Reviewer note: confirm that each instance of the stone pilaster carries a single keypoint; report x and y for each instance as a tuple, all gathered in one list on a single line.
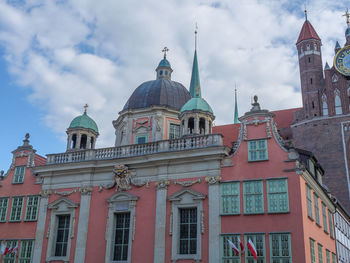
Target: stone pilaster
[(82, 224), (159, 240), (214, 222)]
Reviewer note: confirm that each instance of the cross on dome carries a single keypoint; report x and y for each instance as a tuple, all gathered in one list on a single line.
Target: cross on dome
[(85, 107), (347, 15), (165, 49)]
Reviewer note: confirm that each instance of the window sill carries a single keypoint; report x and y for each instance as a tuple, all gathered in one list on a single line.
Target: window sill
[(310, 218), (30, 220), (18, 183), (15, 221), (195, 257), (283, 212), (253, 161), (62, 259), (257, 213), (230, 214)]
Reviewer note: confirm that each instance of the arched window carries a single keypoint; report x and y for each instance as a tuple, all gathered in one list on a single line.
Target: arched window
[(315, 46), (337, 102), (83, 141), (308, 47), (324, 105), (74, 141), (201, 126), (334, 78), (190, 125)]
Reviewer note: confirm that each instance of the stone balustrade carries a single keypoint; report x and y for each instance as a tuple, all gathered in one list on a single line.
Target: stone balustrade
[(181, 144)]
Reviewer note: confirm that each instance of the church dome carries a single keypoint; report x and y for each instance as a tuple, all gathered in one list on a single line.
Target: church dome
[(194, 104), (164, 63), (160, 92), (84, 121)]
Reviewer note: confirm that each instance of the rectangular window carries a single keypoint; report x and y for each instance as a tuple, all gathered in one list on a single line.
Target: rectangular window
[(121, 236), (317, 209), (174, 132), (330, 224), (188, 231), (320, 255), (32, 208), (19, 174), (309, 201), (253, 197), (16, 208), (280, 248), (3, 208), (328, 256), (26, 252), (10, 257), (140, 139), (334, 258), (259, 243), (230, 198), (312, 251), (228, 254), (324, 215), (61, 243), (277, 196), (257, 150)]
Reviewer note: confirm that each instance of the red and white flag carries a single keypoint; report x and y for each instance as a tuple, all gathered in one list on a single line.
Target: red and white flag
[(7, 250), (233, 246), (252, 249), (241, 245), (3, 248), (15, 249)]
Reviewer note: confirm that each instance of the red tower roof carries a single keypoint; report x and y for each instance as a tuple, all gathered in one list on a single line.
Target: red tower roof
[(307, 32)]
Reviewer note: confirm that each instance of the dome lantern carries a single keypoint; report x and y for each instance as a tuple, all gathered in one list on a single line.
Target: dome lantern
[(164, 69), (82, 132)]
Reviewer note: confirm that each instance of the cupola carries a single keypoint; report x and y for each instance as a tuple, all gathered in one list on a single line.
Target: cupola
[(82, 132), (164, 69)]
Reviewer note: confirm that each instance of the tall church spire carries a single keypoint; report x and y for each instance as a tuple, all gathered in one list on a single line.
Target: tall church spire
[(195, 86), (236, 108)]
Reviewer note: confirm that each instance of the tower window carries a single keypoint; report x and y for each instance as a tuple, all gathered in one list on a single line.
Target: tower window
[(161, 72), (74, 141), (202, 126), (166, 73), (337, 103), (309, 59), (313, 105), (83, 141), (308, 47), (191, 125), (311, 81)]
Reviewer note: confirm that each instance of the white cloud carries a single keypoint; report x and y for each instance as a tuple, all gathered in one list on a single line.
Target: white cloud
[(98, 52)]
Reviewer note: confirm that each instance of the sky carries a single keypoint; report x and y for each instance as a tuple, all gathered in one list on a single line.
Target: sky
[(56, 56)]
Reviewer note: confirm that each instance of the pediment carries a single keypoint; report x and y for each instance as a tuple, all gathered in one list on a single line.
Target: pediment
[(122, 197), (63, 203), (186, 195)]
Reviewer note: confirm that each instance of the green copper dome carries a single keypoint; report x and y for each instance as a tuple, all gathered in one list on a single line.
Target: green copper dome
[(83, 121), (196, 104)]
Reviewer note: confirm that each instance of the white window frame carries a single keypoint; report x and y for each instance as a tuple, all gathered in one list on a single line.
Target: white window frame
[(186, 198), (61, 206), (119, 203)]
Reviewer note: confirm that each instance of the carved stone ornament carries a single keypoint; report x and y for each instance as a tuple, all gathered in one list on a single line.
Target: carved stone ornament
[(123, 179), (162, 184), (86, 190), (187, 183), (45, 193), (213, 179), (65, 193)]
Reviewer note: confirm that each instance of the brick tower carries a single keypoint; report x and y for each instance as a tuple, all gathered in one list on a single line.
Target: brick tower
[(323, 124)]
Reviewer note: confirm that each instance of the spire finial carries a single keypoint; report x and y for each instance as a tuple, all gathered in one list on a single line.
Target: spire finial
[(85, 107), (347, 15), (305, 11), (165, 49), (195, 37), (236, 107)]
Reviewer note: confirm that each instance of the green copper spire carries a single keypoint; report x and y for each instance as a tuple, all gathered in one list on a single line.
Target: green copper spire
[(195, 87), (236, 108)]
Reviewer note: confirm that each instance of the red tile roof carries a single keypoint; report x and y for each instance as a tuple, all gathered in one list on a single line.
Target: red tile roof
[(307, 32), (283, 119)]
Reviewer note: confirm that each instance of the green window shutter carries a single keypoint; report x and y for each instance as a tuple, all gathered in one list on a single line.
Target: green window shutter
[(26, 251), (317, 210), (328, 256), (257, 150), (312, 251), (19, 175), (280, 248), (259, 243), (230, 198), (228, 254), (324, 215), (253, 197), (32, 208), (309, 201), (330, 224), (16, 208), (277, 196), (320, 255), (3, 208)]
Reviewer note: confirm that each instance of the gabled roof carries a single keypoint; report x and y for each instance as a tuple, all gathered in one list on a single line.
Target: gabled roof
[(307, 32)]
